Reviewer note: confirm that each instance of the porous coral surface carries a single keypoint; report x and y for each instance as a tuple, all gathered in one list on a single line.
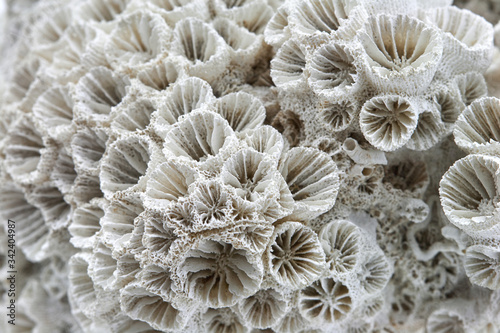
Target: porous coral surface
[(251, 165)]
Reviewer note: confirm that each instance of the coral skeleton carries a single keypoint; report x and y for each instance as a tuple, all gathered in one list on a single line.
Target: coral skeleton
[(246, 166)]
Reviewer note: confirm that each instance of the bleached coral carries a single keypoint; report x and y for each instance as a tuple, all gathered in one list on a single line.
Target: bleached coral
[(248, 165)]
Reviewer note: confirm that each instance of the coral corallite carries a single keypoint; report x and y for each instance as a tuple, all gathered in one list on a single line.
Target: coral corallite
[(225, 166)]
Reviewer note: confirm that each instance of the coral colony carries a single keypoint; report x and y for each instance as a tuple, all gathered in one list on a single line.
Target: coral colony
[(250, 166)]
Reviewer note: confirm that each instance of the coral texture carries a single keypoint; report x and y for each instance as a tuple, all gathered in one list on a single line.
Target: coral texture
[(251, 165)]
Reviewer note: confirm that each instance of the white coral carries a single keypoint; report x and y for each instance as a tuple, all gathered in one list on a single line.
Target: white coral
[(200, 138), (482, 265), (326, 301), (225, 276), (256, 179), (404, 61), (249, 165), (295, 257), (388, 121), (137, 40), (312, 178), (469, 194), (341, 241), (476, 130)]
